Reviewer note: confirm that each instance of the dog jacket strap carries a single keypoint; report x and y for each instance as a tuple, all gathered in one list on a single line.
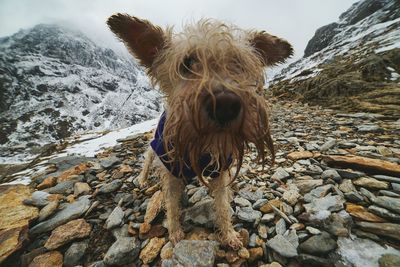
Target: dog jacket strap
[(187, 171)]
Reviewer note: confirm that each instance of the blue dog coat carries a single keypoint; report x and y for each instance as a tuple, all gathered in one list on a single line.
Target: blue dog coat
[(186, 171)]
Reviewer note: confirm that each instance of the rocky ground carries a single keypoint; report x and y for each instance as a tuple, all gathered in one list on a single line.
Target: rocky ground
[(332, 199)]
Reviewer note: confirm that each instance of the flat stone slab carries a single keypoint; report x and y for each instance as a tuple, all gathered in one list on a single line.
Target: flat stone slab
[(70, 212)]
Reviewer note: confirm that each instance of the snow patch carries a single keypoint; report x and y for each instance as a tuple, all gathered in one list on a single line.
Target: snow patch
[(362, 252)]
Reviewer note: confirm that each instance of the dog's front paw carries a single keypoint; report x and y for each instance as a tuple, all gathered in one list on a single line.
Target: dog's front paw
[(176, 236), (141, 182), (232, 240)]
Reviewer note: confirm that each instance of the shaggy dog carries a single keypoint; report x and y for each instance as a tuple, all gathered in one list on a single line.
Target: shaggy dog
[(212, 76)]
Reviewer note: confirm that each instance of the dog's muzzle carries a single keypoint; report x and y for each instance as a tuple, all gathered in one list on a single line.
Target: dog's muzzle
[(226, 108)]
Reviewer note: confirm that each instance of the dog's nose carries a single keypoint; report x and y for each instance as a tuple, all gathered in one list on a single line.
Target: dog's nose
[(227, 106)]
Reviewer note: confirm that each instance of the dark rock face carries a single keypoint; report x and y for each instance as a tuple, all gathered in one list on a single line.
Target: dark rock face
[(322, 38), (54, 82)]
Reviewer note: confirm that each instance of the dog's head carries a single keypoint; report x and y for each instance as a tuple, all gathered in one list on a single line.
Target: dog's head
[(213, 76)]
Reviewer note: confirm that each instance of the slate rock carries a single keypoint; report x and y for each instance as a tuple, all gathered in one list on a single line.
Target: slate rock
[(282, 246), (318, 244), (110, 187), (123, 251), (247, 214), (197, 253), (110, 161), (75, 253), (115, 218), (71, 211)]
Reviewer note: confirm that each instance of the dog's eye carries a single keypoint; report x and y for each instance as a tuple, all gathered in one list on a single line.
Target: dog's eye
[(187, 64)]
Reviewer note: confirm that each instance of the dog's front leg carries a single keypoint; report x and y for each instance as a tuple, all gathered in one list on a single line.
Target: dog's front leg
[(222, 196), (144, 174), (172, 188)]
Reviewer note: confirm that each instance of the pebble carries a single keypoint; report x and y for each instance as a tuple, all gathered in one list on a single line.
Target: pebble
[(382, 212), (252, 196), (268, 217), (109, 162), (318, 245), (331, 174), (75, 253), (282, 246), (52, 258), (328, 145), (202, 213), (280, 226), (123, 251), (280, 174), (198, 195), (194, 253), (330, 203), (371, 183), (389, 260), (47, 210), (115, 219), (389, 203), (81, 189), (242, 202), (247, 214), (152, 249), (38, 199), (110, 187), (65, 233), (391, 230)]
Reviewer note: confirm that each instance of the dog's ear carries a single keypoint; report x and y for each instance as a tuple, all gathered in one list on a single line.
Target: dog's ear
[(273, 50), (143, 39)]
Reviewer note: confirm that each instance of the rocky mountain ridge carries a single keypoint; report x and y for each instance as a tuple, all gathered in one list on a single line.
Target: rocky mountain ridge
[(54, 81), (352, 64)]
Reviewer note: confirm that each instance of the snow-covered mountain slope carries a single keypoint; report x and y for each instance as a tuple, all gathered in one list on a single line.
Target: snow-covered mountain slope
[(54, 82), (356, 55)]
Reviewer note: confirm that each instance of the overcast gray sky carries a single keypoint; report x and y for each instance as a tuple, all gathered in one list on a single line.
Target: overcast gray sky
[(294, 20)]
